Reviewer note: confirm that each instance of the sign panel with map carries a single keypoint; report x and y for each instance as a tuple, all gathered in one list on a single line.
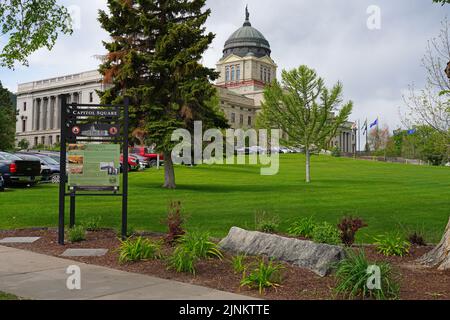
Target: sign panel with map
[(94, 166)]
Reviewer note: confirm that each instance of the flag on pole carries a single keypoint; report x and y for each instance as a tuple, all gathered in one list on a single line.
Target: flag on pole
[(374, 124), (365, 127), (412, 131)]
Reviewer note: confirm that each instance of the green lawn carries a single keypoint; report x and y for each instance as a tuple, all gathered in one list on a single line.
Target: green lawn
[(388, 196)]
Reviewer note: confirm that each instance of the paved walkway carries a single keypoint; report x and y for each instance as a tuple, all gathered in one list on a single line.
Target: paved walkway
[(36, 276)]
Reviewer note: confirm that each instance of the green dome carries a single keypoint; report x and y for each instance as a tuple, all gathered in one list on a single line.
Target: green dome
[(247, 40)]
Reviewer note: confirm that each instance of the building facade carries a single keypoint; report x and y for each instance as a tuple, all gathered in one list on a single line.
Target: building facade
[(39, 105), (245, 68)]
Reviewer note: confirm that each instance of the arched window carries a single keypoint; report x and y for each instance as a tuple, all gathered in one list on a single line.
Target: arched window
[(232, 73), (227, 74), (238, 73)]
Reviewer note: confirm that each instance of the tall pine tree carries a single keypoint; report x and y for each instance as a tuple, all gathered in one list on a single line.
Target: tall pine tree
[(154, 58)]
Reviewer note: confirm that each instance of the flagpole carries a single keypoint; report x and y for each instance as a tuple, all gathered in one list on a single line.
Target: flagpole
[(367, 133), (359, 135)]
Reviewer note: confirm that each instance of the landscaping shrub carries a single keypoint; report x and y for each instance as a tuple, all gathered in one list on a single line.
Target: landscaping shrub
[(264, 275), (200, 245), (76, 234), (326, 233), (93, 224), (266, 222), (352, 277), (417, 239), (138, 249), (183, 260), (392, 245), (175, 221), (238, 263), (336, 152), (348, 227), (302, 228)]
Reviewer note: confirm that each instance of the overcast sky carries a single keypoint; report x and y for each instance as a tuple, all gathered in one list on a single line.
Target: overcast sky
[(331, 36)]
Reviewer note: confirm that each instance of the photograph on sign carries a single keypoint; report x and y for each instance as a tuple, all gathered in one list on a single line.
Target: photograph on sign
[(94, 165)]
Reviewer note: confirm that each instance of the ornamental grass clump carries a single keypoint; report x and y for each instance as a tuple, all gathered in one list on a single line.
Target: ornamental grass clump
[(357, 278), (132, 250), (263, 275)]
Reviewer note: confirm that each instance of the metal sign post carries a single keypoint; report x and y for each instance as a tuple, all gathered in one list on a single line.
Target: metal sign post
[(86, 123)]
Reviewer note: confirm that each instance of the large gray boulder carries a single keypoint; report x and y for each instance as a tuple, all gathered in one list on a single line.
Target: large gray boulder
[(306, 254)]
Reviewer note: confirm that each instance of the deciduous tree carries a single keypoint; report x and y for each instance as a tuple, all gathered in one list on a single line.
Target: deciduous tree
[(30, 25), (305, 110), (7, 119)]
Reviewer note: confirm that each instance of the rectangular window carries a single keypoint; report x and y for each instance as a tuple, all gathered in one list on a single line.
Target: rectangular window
[(238, 73), (57, 139), (262, 74), (227, 74), (265, 75), (24, 106), (24, 125), (232, 73), (91, 97), (249, 120), (233, 117), (268, 75), (241, 119)]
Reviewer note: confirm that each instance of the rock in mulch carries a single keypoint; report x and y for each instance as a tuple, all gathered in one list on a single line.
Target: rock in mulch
[(305, 254)]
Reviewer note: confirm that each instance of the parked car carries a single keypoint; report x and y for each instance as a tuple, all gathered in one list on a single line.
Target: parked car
[(2, 183), (18, 171), (133, 163), (51, 166), (151, 155), (46, 172)]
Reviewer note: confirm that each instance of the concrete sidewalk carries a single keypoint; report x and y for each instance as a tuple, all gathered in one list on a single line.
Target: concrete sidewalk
[(36, 276)]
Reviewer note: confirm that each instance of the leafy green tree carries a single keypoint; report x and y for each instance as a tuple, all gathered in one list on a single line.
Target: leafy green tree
[(441, 1), (30, 25), (7, 120), (154, 59), (305, 110)]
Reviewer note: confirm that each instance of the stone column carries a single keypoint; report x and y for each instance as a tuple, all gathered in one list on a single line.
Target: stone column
[(39, 114), (47, 114), (58, 112), (33, 118)]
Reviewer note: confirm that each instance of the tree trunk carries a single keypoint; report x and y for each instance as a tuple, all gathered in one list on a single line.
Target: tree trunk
[(169, 172), (440, 256), (308, 166)]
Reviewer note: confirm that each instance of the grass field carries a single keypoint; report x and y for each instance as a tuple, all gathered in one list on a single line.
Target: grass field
[(389, 197)]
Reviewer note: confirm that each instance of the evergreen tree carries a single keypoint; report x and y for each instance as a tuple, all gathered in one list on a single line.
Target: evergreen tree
[(7, 119), (154, 59)]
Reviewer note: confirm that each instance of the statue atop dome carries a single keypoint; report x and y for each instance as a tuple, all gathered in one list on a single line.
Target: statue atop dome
[(247, 17)]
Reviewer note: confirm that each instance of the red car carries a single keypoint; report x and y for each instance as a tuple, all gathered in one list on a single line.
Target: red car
[(151, 156), (133, 163)]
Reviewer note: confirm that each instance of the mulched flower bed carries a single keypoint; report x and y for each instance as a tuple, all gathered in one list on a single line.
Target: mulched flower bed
[(298, 284)]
